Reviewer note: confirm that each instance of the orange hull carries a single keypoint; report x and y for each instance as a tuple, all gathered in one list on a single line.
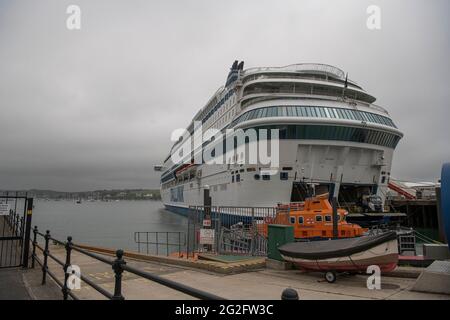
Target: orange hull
[(312, 219)]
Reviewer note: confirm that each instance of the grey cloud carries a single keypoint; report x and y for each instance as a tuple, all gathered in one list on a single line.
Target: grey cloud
[(95, 108)]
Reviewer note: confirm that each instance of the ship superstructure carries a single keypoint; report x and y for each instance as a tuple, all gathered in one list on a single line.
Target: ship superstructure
[(332, 138)]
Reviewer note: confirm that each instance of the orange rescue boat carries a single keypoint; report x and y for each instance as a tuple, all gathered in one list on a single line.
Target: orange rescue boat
[(312, 219)]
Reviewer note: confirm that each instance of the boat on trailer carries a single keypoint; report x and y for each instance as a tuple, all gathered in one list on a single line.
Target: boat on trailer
[(352, 255)]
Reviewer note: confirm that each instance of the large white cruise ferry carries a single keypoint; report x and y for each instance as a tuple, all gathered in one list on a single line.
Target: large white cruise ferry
[(332, 138)]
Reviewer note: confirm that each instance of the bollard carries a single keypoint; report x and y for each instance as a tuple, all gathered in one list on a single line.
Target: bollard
[(44, 265), (68, 246), (118, 270), (289, 294), (33, 255)]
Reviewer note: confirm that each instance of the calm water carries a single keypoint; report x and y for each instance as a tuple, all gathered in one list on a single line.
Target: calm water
[(107, 224)]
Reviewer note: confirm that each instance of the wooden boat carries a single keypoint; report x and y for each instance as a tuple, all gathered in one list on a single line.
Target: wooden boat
[(312, 219), (344, 255)]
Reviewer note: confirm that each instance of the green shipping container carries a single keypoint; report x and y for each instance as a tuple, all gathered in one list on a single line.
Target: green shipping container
[(278, 235)]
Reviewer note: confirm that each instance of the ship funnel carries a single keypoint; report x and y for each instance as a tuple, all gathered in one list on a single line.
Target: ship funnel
[(233, 74)]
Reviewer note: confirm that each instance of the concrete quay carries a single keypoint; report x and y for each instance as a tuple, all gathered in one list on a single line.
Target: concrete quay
[(259, 283)]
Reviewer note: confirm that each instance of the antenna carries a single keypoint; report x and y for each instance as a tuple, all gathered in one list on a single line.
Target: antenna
[(345, 86)]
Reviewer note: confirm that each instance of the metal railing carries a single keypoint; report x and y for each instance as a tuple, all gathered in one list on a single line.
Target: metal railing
[(156, 239), (15, 229), (119, 265), (237, 230), (326, 68), (15, 222)]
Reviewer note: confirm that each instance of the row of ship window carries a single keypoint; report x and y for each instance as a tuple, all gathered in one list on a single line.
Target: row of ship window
[(236, 176), (313, 112), (314, 132), (319, 132), (352, 134), (318, 218), (217, 106), (257, 176)]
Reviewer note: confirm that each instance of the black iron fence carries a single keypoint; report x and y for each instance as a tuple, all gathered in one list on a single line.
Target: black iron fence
[(235, 230), (15, 225), (119, 265)]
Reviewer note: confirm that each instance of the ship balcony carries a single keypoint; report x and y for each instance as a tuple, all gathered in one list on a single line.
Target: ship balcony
[(295, 76), (252, 99), (289, 87)]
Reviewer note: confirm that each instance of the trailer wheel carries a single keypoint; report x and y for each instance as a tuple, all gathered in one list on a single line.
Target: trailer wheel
[(330, 276)]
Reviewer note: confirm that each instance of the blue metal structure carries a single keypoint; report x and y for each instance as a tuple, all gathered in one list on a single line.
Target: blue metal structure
[(445, 198)]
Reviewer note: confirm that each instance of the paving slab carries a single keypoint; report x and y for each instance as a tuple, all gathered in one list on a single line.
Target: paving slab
[(12, 286), (258, 284)]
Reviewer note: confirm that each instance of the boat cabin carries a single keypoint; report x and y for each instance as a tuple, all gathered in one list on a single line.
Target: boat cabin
[(314, 219)]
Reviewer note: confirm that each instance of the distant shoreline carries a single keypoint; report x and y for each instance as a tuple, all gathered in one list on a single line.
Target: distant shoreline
[(112, 200), (96, 195)]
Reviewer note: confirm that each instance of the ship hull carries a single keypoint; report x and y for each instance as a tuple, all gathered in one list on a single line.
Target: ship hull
[(301, 162)]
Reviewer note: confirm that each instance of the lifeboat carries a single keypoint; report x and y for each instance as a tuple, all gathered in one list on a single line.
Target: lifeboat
[(184, 168), (344, 255), (312, 219)]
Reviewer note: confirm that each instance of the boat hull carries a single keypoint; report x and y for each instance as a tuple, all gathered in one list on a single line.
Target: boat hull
[(384, 255)]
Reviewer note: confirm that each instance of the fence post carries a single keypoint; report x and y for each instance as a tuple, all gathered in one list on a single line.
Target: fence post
[(68, 246), (44, 265), (21, 221), (167, 244), (33, 255), (219, 230), (335, 218), (26, 237), (118, 270), (188, 234), (179, 244), (13, 222), (139, 238)]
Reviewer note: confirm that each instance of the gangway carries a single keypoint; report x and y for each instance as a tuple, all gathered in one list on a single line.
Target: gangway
[(397, 188)]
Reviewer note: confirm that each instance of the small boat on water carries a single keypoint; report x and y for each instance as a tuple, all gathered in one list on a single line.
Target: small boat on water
[(344, 255)]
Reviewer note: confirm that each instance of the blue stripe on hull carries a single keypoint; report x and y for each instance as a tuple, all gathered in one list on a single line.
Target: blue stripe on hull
[(179, 210), (227, 219)]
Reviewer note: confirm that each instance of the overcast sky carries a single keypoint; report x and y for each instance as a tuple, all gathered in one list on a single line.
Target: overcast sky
[(94, 108)]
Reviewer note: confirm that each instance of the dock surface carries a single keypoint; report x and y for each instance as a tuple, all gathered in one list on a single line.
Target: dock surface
[(258, 284)]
